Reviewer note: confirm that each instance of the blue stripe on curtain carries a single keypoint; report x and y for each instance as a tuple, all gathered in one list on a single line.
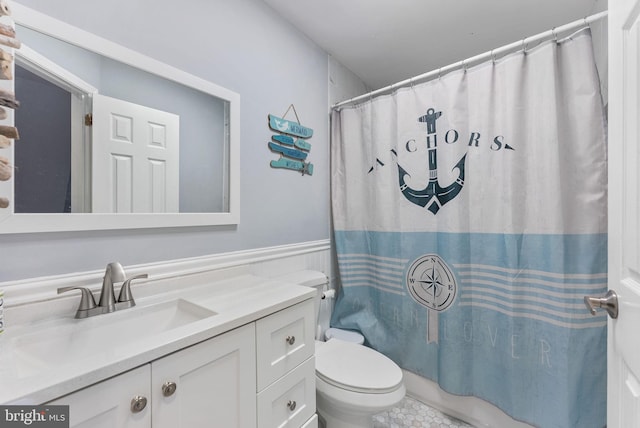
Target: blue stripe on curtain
[(518, 315)]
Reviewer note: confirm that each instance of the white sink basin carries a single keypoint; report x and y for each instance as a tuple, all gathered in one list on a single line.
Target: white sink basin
[(72, 339)]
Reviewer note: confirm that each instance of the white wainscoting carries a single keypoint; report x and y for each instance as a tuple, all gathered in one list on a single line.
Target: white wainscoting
[(33, 299)]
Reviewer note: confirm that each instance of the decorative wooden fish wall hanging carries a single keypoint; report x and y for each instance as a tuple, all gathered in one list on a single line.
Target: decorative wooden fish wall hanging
[(289, 127), (284, 139), (304, 167), (293, 151), (290, 153)]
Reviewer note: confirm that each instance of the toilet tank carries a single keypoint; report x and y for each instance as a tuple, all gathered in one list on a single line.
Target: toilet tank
[(319, 281)]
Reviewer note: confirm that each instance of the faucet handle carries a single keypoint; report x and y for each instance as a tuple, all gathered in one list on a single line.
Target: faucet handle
[(125, 290), (87, 300)]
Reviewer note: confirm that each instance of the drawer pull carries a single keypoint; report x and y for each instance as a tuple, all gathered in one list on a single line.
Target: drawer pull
[(138, 403), (168, 388), (291, 340), (291, 405)]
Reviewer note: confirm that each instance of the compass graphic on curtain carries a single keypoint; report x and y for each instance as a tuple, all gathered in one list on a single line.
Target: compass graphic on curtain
[(432, 284)]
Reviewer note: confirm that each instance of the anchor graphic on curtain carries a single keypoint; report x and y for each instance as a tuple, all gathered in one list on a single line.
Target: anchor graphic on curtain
[(433, 196)]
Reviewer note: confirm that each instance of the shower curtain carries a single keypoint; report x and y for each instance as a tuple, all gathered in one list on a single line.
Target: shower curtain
[(470, 222)]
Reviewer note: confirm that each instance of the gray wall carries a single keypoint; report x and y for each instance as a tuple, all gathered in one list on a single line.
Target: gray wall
[(343, 83), (242, 45)]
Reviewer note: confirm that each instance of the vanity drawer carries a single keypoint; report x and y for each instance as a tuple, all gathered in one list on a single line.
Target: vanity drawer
[(290, 401), (311, 423), (284, 340)]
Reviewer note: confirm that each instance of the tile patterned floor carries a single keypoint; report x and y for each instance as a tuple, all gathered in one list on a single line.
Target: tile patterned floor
[(412, 413)]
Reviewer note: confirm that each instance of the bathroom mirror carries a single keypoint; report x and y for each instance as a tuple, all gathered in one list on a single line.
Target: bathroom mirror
[(85, 103)]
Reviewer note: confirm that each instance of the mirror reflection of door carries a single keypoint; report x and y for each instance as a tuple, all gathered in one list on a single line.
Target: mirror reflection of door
[(135, 158), (204, 154), (126, 162), (50, 177)]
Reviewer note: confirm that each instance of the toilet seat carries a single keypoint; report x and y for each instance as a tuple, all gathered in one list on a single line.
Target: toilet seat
[(346, 335), (356, 368)]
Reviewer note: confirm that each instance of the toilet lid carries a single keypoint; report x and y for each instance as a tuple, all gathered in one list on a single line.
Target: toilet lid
[(356, 368)]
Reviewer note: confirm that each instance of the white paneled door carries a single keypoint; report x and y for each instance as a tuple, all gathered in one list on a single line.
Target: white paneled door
[(135, 158), (623, 409)]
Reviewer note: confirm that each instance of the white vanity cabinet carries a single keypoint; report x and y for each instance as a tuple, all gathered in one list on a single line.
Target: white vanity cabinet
[(259, 375), (286, 368), (210, 384)]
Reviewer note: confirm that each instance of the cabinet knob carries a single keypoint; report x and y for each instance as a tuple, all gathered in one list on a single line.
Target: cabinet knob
[(291, 340), (291, 405), (138, 403), (168, 388)]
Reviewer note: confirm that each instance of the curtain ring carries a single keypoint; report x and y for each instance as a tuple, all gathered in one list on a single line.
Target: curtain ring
[(464, 65), (440, 73), (555, 35), (524, 46), (411, 82), (493, 58)]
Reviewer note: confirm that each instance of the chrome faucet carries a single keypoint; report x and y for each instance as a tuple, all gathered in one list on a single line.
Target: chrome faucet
[(107, 303), (114, 272)]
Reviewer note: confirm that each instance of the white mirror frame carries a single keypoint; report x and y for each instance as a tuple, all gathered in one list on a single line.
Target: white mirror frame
[(26, 223)]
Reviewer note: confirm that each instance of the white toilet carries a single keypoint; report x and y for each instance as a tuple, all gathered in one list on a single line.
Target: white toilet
[(353, 382)]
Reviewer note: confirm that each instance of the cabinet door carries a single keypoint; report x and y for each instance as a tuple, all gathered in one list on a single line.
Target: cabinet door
[(108, 404), (215, 384)]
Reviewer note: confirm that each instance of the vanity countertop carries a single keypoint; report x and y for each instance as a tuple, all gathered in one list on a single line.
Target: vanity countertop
[(36, 365)]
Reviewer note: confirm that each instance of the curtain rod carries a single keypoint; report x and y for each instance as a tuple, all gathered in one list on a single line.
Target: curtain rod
[(553, 33)]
